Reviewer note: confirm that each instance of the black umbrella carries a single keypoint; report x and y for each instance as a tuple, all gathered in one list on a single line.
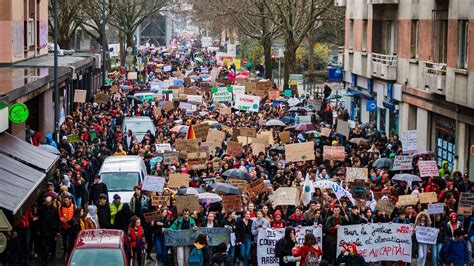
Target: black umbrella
[(383, 163), (278, 148), (236, 173), (297, 110), (226, 188)]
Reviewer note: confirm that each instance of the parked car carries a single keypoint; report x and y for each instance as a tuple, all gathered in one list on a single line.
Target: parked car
[(101, 247)]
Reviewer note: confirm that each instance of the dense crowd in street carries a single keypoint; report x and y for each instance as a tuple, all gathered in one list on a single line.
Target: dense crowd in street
[(76, 199)]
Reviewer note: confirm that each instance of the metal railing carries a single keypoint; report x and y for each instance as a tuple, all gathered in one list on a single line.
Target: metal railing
[(390, 60), (434, 68)]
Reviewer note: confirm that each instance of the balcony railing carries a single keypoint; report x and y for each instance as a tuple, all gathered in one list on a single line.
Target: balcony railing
[(384, 66), (378, 2), (434, 77)]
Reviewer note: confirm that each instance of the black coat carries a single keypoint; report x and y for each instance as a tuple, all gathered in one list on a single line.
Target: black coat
[(241, 230), (103, 213), (356, 260), (283, 248), (95, 190), (48, 220)]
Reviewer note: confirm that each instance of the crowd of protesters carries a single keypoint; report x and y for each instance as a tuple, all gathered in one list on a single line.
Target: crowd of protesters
[(76, 199)]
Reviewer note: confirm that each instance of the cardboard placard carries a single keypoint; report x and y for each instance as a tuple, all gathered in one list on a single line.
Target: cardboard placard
[(201, 131), (325, 132), (101, 98), (80, 96), (215, 136), (168, 106), (197, 160), (435, 208), (273, 95), (406, 200), (132, 75), (233, 202), (153, 183), (160, 200), (189, 91), (385, 206), (335, 153), (286, 196), (428, 197), (285, 137), (466, 203), (343, 128), (150, 216), (225, 111), (353, 173), (401, 163), (266, 135), (257, 148), (299, 152), (428, 168), (189, 145), (256, 187), (157, 111), (178, 180), (190, 202), (241, 184), (234, 148), (248, 132)]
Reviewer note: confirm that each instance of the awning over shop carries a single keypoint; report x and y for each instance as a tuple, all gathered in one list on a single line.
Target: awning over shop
[(19, 181), (27, 153), (358, 93)]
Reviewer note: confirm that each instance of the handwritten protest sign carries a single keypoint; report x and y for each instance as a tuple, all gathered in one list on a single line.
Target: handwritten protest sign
[(215, 136), (150, 216), (217, 235), (268, 135), (233, 202), (201, 131), (268, 237), (80, 96), (353, 174), (197, 160), (326, 184), (256, 187), (248, 132), (168, 106), (101, 98), (246, 102), (190, 202), (402, 163), (238, 89), (241, 184), (435, 208), (378, 242), (406, 200), (132, 75), (163, 147), (343, 128), (153, 183), (234, 148), (427, 235), (257, 148), (221, 95), (428, 168), (325, 132), (160, 200), (285, 137), (466, 203), (428, 197), (335, 153), (187, 145), (170, 158), (177, 180), (409, 140), (157, 111), (286, 196), (385, 206), (299, 152)]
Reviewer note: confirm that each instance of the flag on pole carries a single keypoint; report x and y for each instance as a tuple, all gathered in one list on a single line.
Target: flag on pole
[(190, 134), (308, 189), (341, 192)]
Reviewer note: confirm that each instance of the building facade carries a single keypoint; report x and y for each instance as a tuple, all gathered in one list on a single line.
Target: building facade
[(408, 65)]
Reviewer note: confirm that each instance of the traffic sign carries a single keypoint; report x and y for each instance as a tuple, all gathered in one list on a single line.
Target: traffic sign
[(18, 113)]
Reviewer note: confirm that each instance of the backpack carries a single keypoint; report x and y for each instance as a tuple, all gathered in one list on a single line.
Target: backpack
[(196, 257), (312, 259), (443, 253)]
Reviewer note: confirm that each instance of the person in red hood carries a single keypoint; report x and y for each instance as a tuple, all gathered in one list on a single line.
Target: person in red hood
[(36, 137), (432, 187), (277, 221), (297, 218), (349, 256), (450, 188), (310, 252)]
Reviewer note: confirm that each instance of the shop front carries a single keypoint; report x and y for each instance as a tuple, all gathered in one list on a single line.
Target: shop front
[(444, 139)]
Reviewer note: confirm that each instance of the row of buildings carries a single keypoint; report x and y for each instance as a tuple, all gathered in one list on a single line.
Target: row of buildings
[(409, 65)]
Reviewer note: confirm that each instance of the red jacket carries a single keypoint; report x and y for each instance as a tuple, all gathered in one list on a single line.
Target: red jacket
[(302, 252), (133, 236)]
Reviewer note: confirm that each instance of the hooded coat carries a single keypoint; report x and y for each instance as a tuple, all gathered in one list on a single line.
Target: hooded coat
[(284, 246)]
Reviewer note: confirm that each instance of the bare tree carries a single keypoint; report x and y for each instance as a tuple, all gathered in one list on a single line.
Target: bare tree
[(93, 21), (127, 15), (296, 18), (69, 19)]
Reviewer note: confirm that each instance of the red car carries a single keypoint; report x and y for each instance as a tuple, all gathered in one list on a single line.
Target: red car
[(101, 247)]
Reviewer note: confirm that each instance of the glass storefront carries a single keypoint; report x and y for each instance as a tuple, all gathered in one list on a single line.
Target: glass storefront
[(445, 135), (393, 122)]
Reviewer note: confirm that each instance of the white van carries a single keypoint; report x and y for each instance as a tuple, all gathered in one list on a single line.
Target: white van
[(139, 126), (121, 174)]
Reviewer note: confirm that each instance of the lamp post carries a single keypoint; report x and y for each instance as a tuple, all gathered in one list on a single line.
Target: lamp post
[(56, 88), (104, 43)]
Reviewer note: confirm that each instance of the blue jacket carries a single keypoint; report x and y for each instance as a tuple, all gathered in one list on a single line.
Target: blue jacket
[(458, 252)]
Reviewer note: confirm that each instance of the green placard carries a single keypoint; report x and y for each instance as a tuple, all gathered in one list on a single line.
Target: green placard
[(287, 93), (18, 113), (73, 138)]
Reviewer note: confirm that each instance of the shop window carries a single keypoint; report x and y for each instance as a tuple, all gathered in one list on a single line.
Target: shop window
[(382, 120), (445, 139), (393, 122)]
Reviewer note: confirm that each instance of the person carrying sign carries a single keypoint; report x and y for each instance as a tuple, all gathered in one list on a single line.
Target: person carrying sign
[(332, 224), (284, 246)]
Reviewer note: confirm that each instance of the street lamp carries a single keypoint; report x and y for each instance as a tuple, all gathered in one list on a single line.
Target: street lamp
[(56, 88), (104, 43)]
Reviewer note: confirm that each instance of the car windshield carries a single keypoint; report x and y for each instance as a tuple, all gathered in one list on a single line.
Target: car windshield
[(97, 256), (139, 127), (120, 181)]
